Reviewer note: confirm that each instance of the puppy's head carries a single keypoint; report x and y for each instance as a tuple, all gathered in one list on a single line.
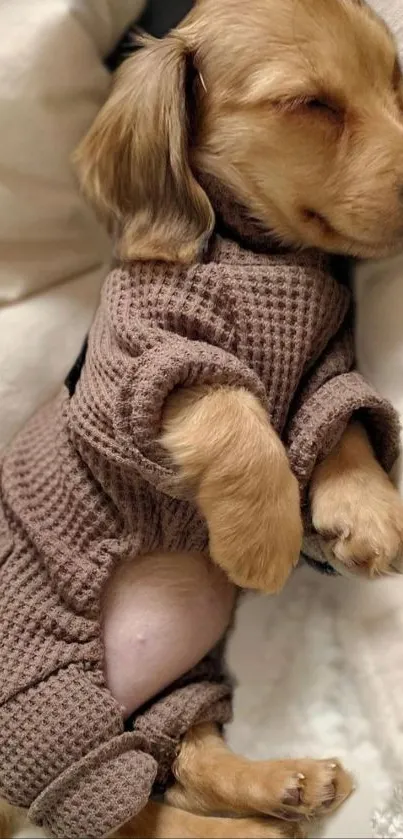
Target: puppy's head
[(295, 105)]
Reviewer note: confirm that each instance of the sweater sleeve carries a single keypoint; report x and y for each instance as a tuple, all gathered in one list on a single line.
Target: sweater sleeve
[(160, 329), (331, 395)]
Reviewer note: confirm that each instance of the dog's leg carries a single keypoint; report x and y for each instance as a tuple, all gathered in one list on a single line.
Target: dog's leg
[(356, 508), (211, 778), (11, 820), (231, 457), (160, 821)]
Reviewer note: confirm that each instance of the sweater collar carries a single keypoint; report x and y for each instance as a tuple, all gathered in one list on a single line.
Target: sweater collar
[(235, 221)]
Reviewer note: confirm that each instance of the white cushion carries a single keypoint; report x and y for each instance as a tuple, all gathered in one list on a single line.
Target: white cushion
[(52, 82), (379, 295)]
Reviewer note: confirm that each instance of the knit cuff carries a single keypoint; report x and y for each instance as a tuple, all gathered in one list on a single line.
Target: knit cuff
[(168, 719), (98, 794), (143, 393), (321, 420)]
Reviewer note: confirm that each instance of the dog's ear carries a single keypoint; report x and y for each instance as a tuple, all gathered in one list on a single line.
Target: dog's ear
[(134, 163)]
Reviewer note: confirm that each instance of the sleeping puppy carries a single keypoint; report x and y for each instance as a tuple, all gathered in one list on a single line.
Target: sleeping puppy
[(295, 107)]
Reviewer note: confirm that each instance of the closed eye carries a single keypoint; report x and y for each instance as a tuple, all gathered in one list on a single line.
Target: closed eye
[(320, 105), (323, 106), (397, 85), (396, 75)]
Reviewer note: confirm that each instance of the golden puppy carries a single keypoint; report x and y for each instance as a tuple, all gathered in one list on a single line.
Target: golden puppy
[(296, 105)]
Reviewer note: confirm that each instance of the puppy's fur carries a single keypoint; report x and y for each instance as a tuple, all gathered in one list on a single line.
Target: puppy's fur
[(296, 106)]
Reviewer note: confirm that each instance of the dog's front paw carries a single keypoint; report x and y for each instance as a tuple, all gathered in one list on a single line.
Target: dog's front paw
[(255, 525), (228, 453), (360, 517)]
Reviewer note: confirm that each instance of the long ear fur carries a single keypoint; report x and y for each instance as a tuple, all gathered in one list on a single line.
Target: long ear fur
[(134, 163)]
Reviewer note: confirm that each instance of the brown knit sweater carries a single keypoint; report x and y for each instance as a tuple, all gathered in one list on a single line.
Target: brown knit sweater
[(86, 485)]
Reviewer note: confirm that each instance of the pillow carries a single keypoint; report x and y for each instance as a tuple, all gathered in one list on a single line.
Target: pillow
[(379, 295), (392, 13), (52, 82)]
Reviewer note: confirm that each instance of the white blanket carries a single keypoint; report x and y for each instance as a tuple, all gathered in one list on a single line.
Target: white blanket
[(319, 667)]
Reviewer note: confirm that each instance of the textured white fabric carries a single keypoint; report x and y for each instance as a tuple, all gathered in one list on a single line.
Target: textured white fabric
[(319, 669), (40, 337), (389, 821)]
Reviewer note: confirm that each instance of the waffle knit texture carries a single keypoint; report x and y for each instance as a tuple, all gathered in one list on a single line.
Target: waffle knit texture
[(86, 485)]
